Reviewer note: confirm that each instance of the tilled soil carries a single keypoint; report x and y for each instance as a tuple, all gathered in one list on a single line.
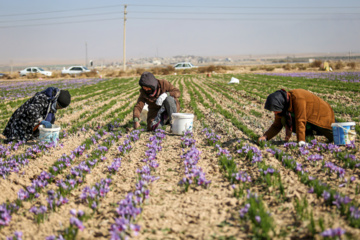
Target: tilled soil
[(170, 212)]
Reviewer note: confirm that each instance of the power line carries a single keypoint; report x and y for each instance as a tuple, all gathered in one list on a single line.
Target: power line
[(243, 13), (60, 23), (249, 7), (49, 18), (248, 19), (192, 19), (187, 13), (58, 11), (178, 6)]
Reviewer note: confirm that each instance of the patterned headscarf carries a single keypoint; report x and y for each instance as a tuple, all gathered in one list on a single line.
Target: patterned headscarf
[(52, 93)]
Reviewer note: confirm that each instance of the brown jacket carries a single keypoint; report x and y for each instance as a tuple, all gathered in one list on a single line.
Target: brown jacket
[(163, 87), (307, 108)]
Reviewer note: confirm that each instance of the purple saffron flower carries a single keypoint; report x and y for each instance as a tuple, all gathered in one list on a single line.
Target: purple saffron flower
[(77, 223), (333, 232), (73, 212), (326, 195)]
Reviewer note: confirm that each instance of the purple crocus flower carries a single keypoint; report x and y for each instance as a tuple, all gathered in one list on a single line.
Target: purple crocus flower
[(77, 223), (336, 232), (326, 195)]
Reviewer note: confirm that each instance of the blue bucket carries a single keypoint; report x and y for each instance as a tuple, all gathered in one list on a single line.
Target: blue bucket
[(343, 132), (49, 134)]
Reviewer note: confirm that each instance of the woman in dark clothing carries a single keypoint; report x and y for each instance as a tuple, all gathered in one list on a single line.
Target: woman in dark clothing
[(301, 112), (162, 98), (40, 109)]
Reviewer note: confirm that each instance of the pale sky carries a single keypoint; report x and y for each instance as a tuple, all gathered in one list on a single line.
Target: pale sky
[(46, 31)]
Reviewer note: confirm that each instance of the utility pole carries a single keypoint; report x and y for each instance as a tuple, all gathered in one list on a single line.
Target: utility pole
[(124, 47), (349, 55), (86, 54)]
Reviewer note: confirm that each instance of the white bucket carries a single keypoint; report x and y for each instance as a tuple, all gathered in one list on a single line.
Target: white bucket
[(49, 134), (343, 132), (182, 122)]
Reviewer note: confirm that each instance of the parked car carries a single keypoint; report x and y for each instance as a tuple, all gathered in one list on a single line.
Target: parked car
[(184, 65), (2, 75), (75, 70), (34, 70)]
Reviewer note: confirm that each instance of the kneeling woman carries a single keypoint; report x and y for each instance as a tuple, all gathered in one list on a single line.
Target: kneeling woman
[(301, 112)]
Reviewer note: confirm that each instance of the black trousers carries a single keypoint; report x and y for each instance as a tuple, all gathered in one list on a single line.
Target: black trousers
[(312, 130)]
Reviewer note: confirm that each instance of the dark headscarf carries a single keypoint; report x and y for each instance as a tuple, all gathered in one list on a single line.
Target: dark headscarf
[(64, 98), (147, 79), (279, 102)]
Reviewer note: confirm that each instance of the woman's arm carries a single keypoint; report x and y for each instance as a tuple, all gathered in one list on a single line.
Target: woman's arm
[(274, 129)]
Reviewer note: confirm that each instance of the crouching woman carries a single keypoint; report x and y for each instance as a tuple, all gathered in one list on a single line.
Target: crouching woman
[(162, 98), (38, 110), (301, 112)]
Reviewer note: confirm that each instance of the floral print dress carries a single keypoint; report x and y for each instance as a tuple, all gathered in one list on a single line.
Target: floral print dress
[(26, 117)]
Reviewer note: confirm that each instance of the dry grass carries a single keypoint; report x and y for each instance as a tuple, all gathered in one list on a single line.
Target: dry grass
[(287, 67), (352, 65), (316, 64), (169, 70), (339, 65)]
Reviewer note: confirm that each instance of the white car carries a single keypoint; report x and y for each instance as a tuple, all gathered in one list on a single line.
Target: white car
[(184, 65), (75, 70), (34, 70)]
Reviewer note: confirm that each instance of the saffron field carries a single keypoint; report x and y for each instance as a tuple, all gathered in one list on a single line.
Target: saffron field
[(104, 180)]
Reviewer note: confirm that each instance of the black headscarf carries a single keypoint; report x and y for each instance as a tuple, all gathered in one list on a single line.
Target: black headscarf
[(147, 79), (64, 98), (279, 102)]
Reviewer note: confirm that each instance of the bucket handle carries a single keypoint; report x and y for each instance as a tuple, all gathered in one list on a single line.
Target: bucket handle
[(349, 132)]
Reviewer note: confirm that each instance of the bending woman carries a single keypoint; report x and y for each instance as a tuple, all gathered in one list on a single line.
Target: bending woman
[(40, 109), (301, 112)]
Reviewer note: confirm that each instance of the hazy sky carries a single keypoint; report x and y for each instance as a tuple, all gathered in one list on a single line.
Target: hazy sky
[(47, 31)]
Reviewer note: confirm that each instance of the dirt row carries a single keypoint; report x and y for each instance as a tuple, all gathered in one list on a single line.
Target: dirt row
[(295, 187), (171, 213)]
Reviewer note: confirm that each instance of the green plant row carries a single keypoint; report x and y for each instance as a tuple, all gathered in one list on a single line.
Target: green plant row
[(219, 90), (6, 115), (104, 108), (116, 94), (317, 186), (193, 104), (241, 126), (256, 209)]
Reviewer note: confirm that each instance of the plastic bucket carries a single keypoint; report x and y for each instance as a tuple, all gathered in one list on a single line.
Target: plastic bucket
[(343, 132), (182, 122), (49, 134)]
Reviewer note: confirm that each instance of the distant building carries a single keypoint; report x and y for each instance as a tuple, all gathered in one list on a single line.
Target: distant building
[(311, 60), (156, 62)]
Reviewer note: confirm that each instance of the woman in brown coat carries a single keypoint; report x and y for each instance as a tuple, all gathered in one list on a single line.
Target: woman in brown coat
[(301, 112), (162, 99)]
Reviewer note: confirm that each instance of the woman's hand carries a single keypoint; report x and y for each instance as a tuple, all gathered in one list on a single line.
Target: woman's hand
[(136, 125), (46, 124), (263, 138)]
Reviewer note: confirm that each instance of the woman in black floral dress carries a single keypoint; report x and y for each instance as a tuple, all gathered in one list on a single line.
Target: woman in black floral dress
[(39, 109)]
